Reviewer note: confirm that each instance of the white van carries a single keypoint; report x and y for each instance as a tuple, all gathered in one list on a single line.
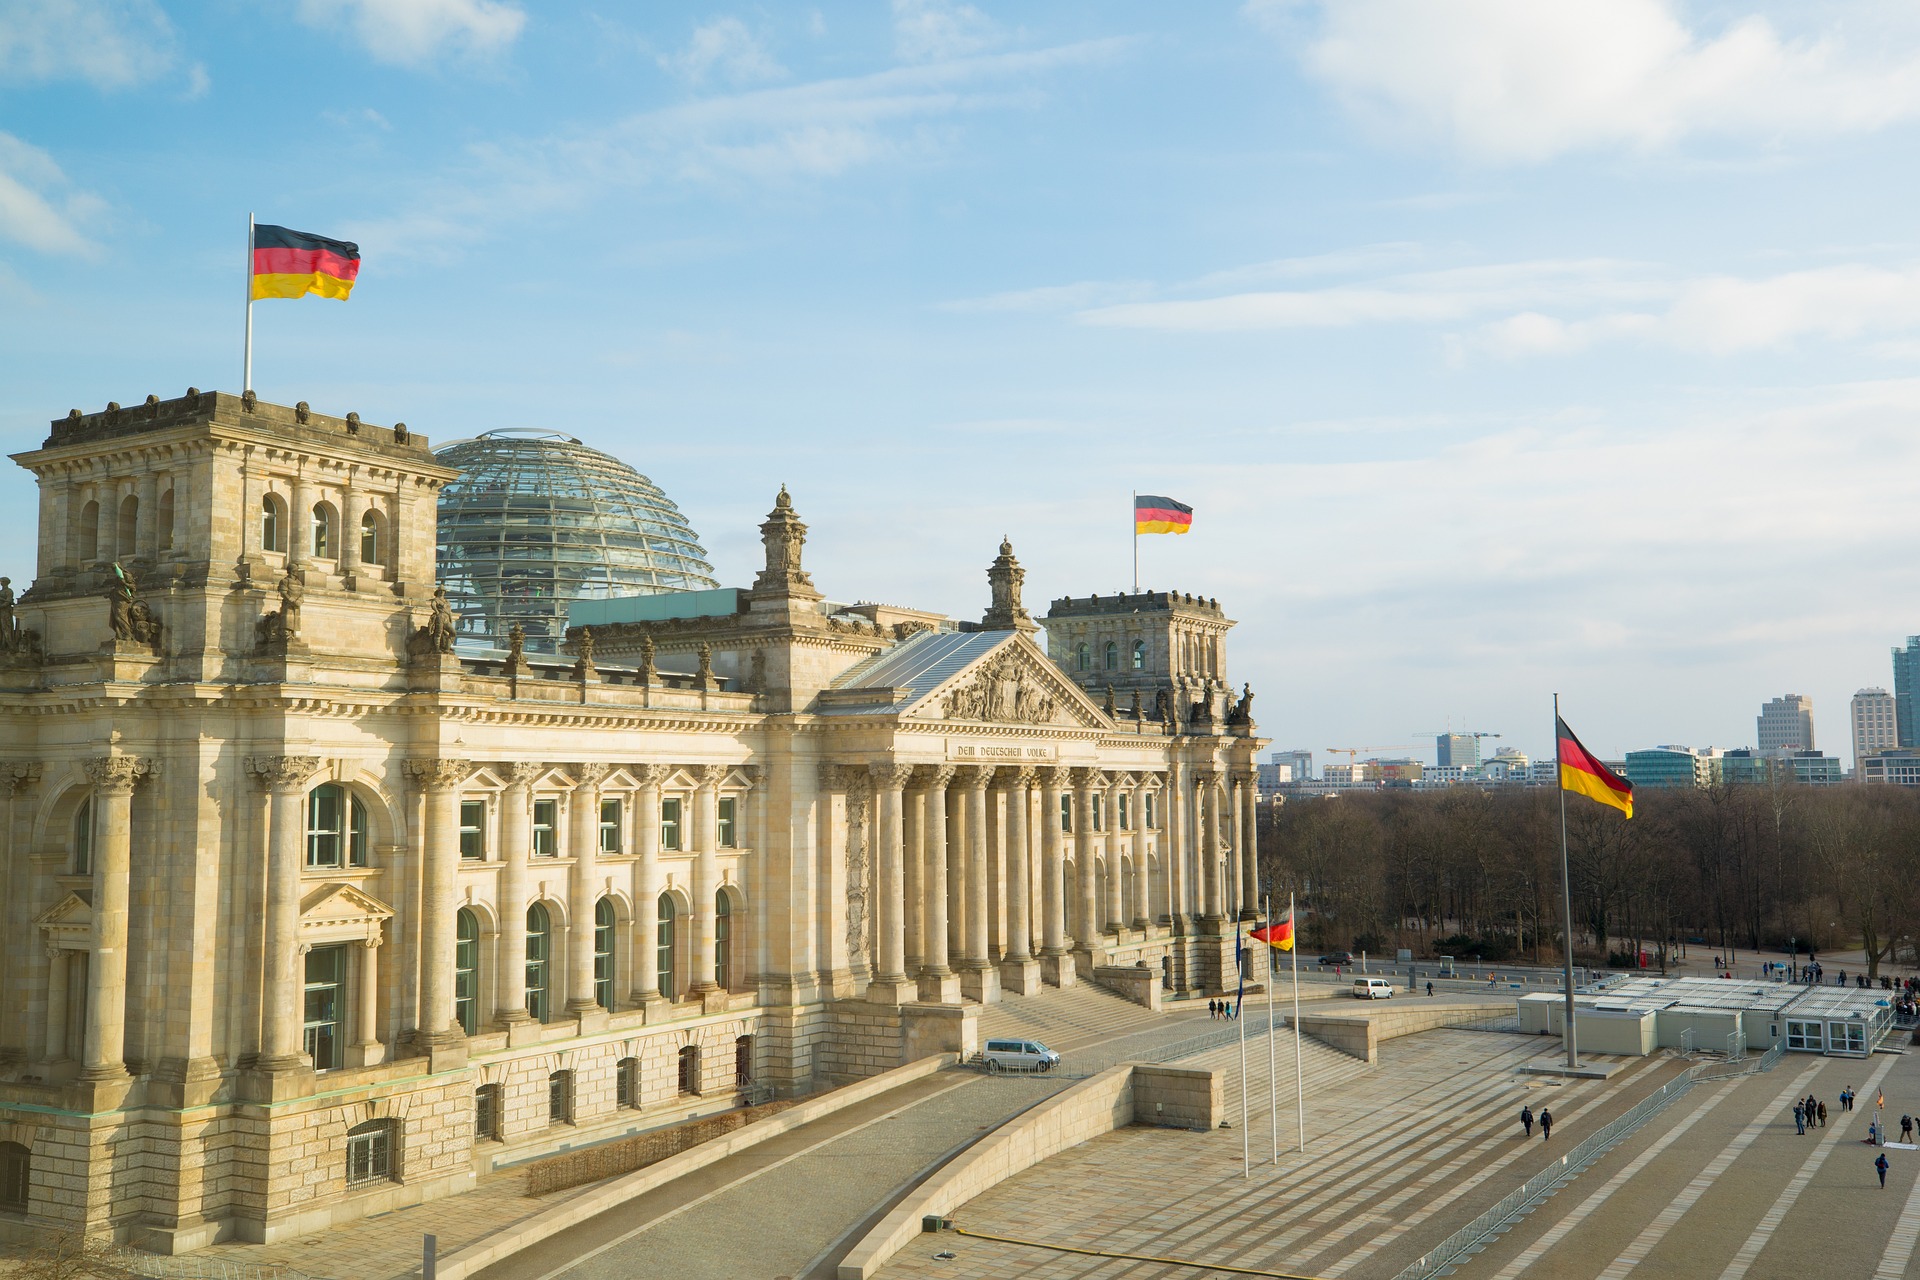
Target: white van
[(1019, 1055), (1372, 989)]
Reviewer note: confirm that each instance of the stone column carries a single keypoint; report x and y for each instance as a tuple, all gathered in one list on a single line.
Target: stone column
[(440, 779), (913, 852), (979, 980), (706, 876), (282, 999), (1207, 824), (59, 973), (510, 947), (146, 541), (1246, 835), (300, 536), (938, 982), (1019, 971), (646, 911), (113, 781), (890, 985), (1085, 847), (1114, 917), (1056, 962), (1141, 906), (353, 506), (366, 1044), (1173, 850), (584, 890)]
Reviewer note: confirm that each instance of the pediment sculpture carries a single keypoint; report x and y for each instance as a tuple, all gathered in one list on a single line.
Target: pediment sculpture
[(1002, 690)]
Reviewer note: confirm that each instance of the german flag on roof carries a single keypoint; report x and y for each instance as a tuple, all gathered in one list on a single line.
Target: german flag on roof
[(1581, 772), (291, 264), (1154, 514)]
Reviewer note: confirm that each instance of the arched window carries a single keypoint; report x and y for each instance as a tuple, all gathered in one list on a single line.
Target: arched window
[(626, 1082), (16, 1175), (1082, 658), (336, 828), (128, 528), (326, 535), (273, 523), (722, 940), (83, 838), (539, 952), (90, 533), (370, 1153), (1112, 656), (486, 1112), (466, 971), (560, 1098), (663, 949), (603, 952), (370, 539), (690, 1069), (1139, 655), (163, 525)]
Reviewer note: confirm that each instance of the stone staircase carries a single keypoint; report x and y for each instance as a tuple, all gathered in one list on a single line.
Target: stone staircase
[(1067, 1017)]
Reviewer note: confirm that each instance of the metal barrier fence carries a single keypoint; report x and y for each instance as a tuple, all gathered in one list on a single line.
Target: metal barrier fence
[(1516, 1204), (152, 1266)]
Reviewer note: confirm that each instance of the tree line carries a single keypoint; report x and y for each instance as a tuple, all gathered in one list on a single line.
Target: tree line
[(1472, 872)]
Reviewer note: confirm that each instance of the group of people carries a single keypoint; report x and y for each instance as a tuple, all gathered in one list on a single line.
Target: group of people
[(1809, 1112), (1546, 1122), (1222, 1010)]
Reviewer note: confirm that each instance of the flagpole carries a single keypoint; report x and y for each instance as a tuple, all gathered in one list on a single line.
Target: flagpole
[(1273, 1066), (1566, 888), (1133, 514), (246, 369), (1299, 1070), (1246, 1127)]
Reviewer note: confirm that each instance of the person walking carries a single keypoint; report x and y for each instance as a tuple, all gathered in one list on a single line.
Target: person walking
[(1800, 1117), (1880, 1167), (1526, 1120), (1823, 1115), (1429, 990), (1546, 1124), (1213, 1010), (1906, 1128)]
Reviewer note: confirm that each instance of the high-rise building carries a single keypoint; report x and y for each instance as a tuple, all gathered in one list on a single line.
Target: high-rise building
[(1669, 766), (1906, 682), (1301, 762), (1876, 727), (1786, 724), (1458, 748)]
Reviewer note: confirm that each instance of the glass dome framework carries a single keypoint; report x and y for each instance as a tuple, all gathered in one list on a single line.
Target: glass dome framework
[(538, 520)]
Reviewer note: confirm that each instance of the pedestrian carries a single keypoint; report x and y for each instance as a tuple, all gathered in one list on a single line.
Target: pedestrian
[(1526, 1120), (1873, 1132), (1906, 1128), (1823, 1115), (1429, 990), (1546, 1124), (1799, 1117), (1880, 1167)]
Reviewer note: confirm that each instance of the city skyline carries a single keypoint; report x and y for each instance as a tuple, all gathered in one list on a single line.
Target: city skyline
[(1476, 398)]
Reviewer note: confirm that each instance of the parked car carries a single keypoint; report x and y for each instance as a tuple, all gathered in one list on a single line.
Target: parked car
[(1372, 989), (1019, 1055), (1337, 957)]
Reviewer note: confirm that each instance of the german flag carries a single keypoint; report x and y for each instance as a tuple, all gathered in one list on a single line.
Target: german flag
[(1580, 771), (1278, 935), (291, 264), (1153, 514)]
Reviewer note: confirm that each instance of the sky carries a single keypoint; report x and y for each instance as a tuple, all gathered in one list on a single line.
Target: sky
[(1501, 347)]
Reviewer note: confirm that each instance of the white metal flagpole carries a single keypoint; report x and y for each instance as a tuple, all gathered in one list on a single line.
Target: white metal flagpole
[(1299, 1071), (1273, 1076), (1133, 519), (246, 370), (1246, 1129)]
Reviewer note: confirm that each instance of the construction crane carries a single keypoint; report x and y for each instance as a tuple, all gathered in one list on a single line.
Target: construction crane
[(1460, 733), (1353, 753)]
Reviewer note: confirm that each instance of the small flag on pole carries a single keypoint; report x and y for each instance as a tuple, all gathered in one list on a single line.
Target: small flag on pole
[(292, 264), (1582, 772), (1153, 514), (1278, 935)]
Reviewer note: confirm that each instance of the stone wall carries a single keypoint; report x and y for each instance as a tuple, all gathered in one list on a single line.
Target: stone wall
[(862, 1040), (1358, 1033), (1178, 1097)]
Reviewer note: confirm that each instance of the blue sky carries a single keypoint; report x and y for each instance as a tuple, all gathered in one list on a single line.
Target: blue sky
[(1501, 346)]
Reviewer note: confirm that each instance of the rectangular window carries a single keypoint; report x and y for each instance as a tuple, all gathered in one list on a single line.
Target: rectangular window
[(546, 823), (1148, 815), (560, 1098), (626, 1083), (610, 826), (670, 823), (77, 1004), (729, 838), (1066, 813), (486, 1112), (473, 828), (1099, 813), (370, 1154), (326, 1006), (1124, 815)]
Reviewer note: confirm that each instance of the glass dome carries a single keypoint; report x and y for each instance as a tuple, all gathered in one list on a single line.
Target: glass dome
[(538, 520)]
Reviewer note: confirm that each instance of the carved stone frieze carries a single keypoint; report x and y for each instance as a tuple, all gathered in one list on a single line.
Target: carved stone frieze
[(1002, 690)]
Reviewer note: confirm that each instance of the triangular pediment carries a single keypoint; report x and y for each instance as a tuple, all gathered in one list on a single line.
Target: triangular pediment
[(1012, 683), (339, 912), (68, 922)]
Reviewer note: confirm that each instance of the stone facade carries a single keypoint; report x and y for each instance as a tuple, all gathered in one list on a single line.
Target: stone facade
[(309, 916)]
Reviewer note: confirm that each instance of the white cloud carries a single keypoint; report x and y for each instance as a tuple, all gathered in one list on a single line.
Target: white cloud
[(414, 32), (724, 47), (39, 207), (932, 30), (109, 44), (1520, 81)]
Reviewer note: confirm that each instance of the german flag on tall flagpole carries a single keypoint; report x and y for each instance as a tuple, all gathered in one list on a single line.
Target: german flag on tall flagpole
[(292, 264), (1278, 935), (1153, 514), (1581, 772)]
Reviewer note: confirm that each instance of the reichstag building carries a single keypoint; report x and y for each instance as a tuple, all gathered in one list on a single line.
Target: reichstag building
[(377, 816)]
